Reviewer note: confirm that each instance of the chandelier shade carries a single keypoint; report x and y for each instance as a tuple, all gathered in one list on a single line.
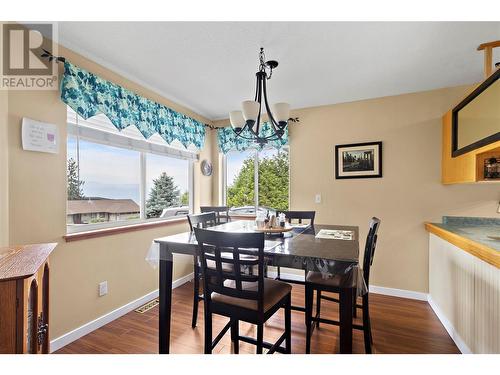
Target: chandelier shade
[(237, 120), (281, 112), (251, 110)]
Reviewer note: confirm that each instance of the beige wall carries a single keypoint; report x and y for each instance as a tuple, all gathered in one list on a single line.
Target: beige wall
[(38, 211), (4, 171), (410, 191)]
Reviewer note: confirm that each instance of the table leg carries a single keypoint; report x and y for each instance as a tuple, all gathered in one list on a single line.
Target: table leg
[(346, 301), (165, 286)]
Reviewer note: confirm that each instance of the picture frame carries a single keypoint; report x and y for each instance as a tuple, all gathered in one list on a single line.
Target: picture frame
[(358, 160)]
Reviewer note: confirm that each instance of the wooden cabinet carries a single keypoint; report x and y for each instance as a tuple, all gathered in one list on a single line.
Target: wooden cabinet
[(465, 168), (24, 298)]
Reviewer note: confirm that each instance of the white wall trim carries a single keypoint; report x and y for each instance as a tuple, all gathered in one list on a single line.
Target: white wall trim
[(403, 293), (85, 329), (449, 327), (410, 294)]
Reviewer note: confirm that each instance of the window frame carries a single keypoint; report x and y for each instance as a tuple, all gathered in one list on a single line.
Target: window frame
[(223, 163), (144, 147)]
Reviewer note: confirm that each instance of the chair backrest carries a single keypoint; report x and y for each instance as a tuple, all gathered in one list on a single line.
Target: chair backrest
[(300, 215), (219, 210), (224, 248), (371, 243), (204, 220)]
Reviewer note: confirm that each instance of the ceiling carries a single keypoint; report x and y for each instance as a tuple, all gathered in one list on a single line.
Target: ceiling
[(209, 66)]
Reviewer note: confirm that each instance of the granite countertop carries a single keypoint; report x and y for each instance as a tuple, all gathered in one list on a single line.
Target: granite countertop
[(477, 229)]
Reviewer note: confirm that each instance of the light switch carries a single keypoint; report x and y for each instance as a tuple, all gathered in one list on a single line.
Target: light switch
[(103, 288), (317, 199)]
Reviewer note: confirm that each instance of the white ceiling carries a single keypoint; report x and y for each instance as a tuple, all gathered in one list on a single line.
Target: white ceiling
[(209, 66)]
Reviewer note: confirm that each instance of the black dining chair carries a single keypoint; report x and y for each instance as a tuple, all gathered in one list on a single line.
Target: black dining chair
[(232, 293), (221, 213), (316, 281), (203, 220), (292, 217)]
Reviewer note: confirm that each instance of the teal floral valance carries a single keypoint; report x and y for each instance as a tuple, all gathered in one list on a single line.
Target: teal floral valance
[(229, 141), (89, 95)]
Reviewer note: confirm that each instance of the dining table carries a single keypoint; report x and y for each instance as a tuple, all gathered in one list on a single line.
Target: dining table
[(303, 247)]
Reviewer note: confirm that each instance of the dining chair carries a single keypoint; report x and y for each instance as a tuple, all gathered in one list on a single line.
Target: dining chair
[(232, 293), (291, 217), (316, 281), (221, 212), (203, 220)]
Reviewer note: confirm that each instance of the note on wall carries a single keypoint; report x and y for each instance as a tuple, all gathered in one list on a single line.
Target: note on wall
[(40, 136)]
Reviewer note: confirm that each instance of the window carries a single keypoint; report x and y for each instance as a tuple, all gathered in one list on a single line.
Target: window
[(167, 186), (118, 178), (271, 178)]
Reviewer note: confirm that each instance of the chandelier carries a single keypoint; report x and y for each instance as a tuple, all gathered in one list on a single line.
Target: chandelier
[(246, 124)]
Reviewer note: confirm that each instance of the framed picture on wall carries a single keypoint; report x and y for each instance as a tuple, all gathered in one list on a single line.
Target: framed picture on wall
[(358, 160)]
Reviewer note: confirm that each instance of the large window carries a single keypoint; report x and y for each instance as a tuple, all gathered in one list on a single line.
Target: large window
[(117, 178), (257, 180)]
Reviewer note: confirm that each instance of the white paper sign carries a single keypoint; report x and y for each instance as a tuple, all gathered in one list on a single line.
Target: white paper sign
[(40, 136)]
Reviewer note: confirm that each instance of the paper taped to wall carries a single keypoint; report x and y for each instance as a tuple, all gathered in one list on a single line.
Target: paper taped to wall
[(40, 136)]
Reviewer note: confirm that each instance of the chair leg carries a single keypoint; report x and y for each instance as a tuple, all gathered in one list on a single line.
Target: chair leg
[(367, 330), (235, 333), (260, 337), (318, 306), (196, 292), (278, 273), (208, 330), (355, 299), (288, 324), (309, 307)]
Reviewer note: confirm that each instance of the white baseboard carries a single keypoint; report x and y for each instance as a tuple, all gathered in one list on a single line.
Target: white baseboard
[(285, 275), (85, 329), (449, 327), (403, 293), (410, 294)]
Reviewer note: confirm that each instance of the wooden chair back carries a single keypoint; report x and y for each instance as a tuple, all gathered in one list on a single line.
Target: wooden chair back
[(371, 243), (221, 212), (203, 220), (224, 248)]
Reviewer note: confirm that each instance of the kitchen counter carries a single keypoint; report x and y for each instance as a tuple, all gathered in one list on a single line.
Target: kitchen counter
[(478, 236)]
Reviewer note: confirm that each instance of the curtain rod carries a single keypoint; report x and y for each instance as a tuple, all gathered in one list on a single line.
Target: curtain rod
[(60, 59)]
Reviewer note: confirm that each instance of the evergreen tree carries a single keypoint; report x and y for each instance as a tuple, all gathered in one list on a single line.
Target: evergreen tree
[(273, 183), (75, 186), (164, 194), (185, 199), (241, 192)]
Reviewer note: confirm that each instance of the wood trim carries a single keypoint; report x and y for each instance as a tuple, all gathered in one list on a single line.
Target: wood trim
[(480, 251), (79, 236), (493, 44), (242, 217)]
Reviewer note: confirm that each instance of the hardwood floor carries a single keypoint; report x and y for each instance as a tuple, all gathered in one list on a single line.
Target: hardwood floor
[(399, 326)]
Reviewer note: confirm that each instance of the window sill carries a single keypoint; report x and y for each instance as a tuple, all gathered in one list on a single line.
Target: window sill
[(242, 216), (78, 236)]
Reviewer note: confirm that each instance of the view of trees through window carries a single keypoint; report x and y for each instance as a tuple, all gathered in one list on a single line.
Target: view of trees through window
[(272, 178), (104, 184)]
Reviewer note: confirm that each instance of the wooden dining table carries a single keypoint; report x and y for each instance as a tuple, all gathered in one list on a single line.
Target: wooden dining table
[(298, 249)]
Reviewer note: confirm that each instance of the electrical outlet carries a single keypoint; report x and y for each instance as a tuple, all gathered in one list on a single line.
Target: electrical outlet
[(317, 199), (103, 288)]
